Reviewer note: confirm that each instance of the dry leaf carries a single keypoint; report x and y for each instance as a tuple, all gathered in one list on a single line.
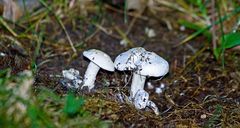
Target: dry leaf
[(14, 9), (11, 10), (139, 5), (136, 4)]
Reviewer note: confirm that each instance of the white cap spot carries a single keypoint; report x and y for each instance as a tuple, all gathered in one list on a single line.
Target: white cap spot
[(127, 60)]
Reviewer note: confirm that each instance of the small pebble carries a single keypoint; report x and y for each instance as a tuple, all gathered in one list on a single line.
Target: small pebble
[(149, 85), (124, 42), (203, 116), (150, 32), (182, 94), (182, 28), (175, 81), (2, 54), (158, 90), (162, 85)]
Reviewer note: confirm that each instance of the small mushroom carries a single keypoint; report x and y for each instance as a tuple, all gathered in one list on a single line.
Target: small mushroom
[(71, 79), (71, 74), (141, 101), (98, 60), (143, 64)]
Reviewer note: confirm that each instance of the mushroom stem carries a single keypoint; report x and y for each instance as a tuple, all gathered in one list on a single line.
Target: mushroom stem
[(138, 82), (90, 75)]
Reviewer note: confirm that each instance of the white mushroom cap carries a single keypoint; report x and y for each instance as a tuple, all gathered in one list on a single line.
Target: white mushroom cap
[(127, 60), (142, 62), (152, 65), (99, 58)]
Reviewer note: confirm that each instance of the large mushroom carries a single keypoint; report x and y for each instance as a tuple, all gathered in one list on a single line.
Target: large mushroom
[(143, 64), (98, 60)]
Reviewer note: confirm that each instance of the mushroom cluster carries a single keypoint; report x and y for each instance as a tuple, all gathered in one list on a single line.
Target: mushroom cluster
[(142, 63)]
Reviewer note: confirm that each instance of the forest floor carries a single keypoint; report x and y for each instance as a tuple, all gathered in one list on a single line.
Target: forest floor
[(198, 91)]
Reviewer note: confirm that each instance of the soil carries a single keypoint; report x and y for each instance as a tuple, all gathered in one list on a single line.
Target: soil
[(198, 90)]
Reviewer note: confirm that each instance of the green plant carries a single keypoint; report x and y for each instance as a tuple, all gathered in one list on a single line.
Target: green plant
[(215, 118), (72, 104), (21, 108), (227, 41), (204, 21)]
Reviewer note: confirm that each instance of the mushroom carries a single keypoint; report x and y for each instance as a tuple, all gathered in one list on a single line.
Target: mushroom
[(141, 101), (98, 60), (143, 64), (71, 79)]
